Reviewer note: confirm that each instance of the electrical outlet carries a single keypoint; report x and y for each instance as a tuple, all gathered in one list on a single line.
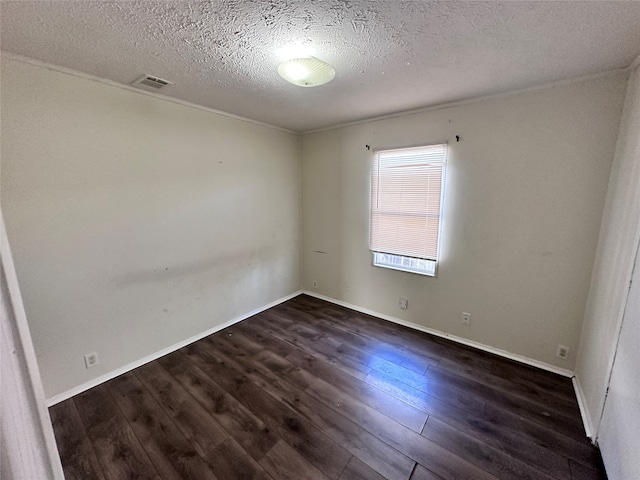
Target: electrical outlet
[(91, 360), (315, 284), (466, 318), (404, 303), (563, 352)]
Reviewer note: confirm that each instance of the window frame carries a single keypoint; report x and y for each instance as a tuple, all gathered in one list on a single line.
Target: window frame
[(436, 262)]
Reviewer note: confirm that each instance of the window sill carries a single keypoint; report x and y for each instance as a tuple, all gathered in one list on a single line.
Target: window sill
[(418, 266)]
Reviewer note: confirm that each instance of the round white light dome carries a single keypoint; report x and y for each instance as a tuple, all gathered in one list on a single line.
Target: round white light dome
[(306, 72)]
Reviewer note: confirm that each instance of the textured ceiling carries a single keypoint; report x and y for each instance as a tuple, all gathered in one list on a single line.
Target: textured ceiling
[(389, 55)]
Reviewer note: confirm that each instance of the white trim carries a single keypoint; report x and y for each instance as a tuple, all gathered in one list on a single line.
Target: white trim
[(620, 320), (480, 346), (165, 351), (467, 101), (21, 325), (584, 410), (87, 76)]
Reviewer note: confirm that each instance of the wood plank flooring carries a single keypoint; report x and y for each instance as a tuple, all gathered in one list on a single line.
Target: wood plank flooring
[(309, 390)]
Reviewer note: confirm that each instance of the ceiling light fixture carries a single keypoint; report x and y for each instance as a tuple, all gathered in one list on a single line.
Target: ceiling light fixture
[(306, 72)]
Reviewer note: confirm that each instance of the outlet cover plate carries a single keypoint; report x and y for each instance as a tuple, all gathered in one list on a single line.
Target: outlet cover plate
[(91, 359), (563, 352)]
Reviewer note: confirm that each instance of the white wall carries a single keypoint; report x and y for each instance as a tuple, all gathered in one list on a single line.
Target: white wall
[(618, 434), (136, 222), (525, 191), (608, 297)]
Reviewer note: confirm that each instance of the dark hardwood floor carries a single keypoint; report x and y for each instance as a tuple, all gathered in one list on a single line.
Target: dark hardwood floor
[(310, 390)]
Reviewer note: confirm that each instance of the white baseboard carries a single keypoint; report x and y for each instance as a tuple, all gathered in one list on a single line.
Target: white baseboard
[(165, 351), (582, 403), (480, 346), (584, 411)]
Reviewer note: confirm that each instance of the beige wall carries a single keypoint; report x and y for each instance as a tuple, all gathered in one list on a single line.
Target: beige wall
[(136, 222), (525, 191), (609, 301)]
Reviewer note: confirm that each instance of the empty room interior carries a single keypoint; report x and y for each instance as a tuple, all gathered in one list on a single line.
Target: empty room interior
[(341, 239)]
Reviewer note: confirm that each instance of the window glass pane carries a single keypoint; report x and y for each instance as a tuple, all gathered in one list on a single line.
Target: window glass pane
[(407, 264), (406, 205)]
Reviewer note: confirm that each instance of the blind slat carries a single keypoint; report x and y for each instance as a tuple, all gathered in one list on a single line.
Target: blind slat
[(406, 192)]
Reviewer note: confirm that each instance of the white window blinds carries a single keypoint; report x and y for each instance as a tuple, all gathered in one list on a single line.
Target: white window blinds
[(406, 195)]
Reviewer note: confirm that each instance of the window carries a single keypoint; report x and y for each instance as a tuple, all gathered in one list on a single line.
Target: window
[(406, 207)]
